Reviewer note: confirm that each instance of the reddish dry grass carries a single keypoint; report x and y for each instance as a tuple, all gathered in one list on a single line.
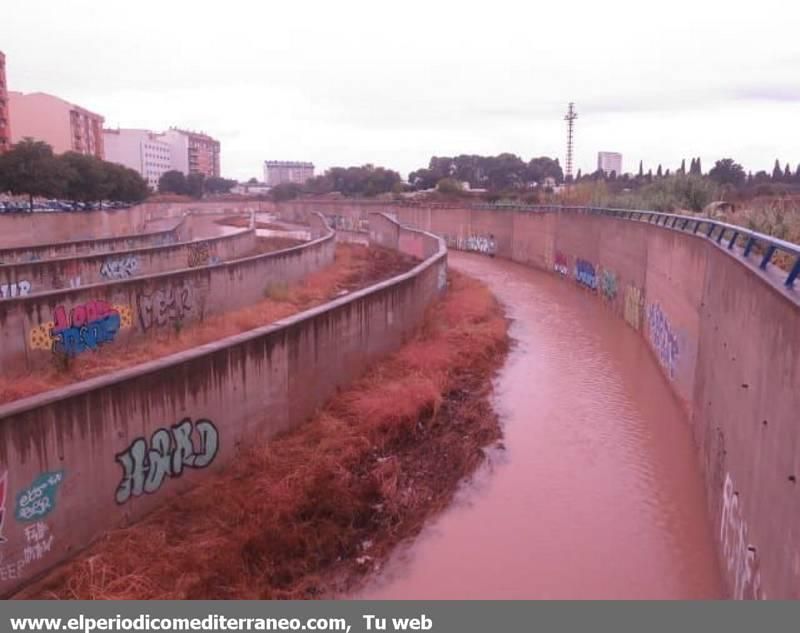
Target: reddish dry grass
[(354, 267), (290, 518), (243, 222)]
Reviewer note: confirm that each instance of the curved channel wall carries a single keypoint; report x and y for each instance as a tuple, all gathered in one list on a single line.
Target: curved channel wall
[(101, 453), (41, 251), (77, 320), (727, 337), (100, 267)]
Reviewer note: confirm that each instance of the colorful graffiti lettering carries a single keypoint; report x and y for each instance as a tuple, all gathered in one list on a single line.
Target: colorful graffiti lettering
[(170, 451), (164, 306), (485, 244), (663, 338), (561, 266), (18, 289), (3, 493), (585, 274), (608, 284), (165, 239), (40, 498), (88, 326), (634, 301), (44, 338), (740, 556), (120, 267), (201, 254)]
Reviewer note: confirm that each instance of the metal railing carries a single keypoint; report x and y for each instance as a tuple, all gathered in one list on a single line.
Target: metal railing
[(728, 235)]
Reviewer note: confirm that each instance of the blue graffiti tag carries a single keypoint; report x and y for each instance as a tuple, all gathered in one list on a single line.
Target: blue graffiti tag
[(585, 273), (40, 498)]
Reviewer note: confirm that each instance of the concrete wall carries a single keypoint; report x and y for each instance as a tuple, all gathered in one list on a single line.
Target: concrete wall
[(175, 232), (119, 312), (76, 460), (727, 337), (74, 272)]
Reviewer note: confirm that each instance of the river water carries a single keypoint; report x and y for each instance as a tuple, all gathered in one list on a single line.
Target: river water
[(597, 493)]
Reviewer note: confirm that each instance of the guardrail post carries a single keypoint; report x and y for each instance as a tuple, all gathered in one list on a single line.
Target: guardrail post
[(721, 235), (711, 228), (696, 225), (767, 257), (750, 243), (733, 240), (795, 272)]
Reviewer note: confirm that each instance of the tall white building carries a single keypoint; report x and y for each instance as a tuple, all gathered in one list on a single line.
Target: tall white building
[(145, 151), (609, 162)]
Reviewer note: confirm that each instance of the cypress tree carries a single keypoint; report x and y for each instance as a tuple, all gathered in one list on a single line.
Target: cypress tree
[(683, 166), (659, 173), (641, 169), (777, 172), (699, 167)]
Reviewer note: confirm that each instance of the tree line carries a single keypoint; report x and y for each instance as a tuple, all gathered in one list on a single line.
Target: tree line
[(194, 185), (366, 180), (30, 168), (505, 171)]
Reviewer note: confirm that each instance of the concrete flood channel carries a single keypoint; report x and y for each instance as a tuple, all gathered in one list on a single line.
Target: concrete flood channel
[(596, 492)]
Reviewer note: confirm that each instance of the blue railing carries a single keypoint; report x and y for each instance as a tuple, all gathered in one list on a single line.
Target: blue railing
[(728, 235)]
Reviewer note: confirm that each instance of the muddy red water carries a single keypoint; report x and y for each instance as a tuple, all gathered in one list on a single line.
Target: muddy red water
[(597, 493)]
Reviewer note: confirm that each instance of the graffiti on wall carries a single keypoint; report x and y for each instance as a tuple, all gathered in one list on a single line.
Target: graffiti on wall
[(3, 494), (561, 265), (36, 501), (120, 267), (485, 244), (585, 273), (38, 543), (165, 239), (608, 284), (347, 223), (18, 289), (201, 254), (145, 465), (164, 306), (84, 327), (740, 556), (634, 303), (663, 338)]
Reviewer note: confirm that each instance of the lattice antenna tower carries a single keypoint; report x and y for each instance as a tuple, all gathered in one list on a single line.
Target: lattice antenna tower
[(570, 119)]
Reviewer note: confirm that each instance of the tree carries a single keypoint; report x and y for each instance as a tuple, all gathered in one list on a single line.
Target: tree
[(641, 169), (215, 184), (125, 184), (172, 181), (252, 181), (88, 178), (787, 174), (727, 172), (659, 172), (777, 172), (682, 169), (194, 185), (285, 191), (449, 186), (30, 168)]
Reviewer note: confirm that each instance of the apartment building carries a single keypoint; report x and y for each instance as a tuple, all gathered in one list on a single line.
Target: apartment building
[(610, 162), (201, 152), (277, 172), (142, 150), (63, 125)]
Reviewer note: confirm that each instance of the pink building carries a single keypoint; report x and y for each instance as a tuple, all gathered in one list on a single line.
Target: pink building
[(5, 124), (63, 125)]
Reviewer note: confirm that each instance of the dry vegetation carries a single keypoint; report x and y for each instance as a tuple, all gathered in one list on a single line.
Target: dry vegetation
[(243, 222), (354, 267), (310, 513)]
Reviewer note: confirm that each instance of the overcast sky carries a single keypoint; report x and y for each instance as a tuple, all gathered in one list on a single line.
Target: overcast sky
[(343, 82)]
